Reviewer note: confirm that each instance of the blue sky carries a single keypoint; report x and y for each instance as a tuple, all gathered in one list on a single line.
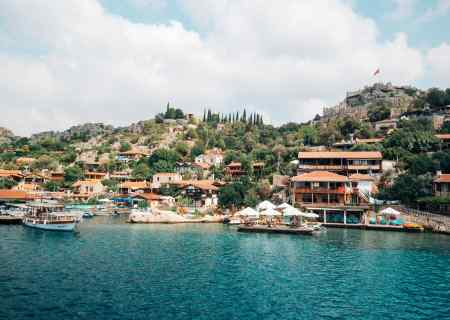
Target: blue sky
[(120, 61)]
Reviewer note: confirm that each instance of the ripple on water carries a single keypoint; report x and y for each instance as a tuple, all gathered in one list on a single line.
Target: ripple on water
[(111, 270)]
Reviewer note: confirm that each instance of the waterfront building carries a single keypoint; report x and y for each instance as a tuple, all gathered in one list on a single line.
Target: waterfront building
[(203, 193), (341, 162), (91, 175), (330, 195), (155, 200), (15, 175)]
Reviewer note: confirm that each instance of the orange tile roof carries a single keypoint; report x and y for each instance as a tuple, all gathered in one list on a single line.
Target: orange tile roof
[(320, 176), (361, 177), (442, 178), (95, 173), (340, 155), (27, 187), (11, 172), (6, 194), (25, 160), (201, 165), (149, 196), (201, 184), (134, 185), (86, 182)]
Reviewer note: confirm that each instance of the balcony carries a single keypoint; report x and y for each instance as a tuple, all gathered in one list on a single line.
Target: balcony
[(340, 190), (321, 167)]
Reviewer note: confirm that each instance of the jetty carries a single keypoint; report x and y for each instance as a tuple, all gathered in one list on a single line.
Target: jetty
[(276, 229)]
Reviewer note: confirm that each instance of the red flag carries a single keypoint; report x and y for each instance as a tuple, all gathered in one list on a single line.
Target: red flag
[(376, 72)]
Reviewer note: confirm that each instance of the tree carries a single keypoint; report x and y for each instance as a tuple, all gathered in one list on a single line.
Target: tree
[(163, 160), (182, 148), (52, 186), (141, 171), (111, 184), (125, 146), (408, 188), (197, 150), (436, 97), (7, 183), (378, 113), (73, 174)]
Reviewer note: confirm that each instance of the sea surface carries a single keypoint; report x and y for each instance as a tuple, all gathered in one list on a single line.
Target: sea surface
[(112, 270)]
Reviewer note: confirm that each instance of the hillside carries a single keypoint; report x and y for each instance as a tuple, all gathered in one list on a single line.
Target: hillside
[(404, 122)]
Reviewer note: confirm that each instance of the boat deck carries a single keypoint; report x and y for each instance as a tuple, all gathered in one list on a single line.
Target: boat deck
[(10, 220), (275, 229)]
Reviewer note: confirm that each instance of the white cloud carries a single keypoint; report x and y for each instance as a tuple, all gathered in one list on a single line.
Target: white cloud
[(439, 61), (71, 61)]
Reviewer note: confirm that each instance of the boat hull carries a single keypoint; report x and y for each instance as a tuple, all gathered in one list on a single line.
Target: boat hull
[(51, 227)]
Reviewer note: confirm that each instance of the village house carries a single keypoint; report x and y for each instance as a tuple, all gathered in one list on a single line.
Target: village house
[(212, 157), (88, 188), (121, 176), (131, 155), (91, 175), (7, 195), (155, 200), (444, 140), (24, 161), (330, 195), (203, 193), (235, 170), (342, 162), (15, 175), (163, 178), (129, 187), (386, 125), (28, 187), (441, 185), (35, 178)]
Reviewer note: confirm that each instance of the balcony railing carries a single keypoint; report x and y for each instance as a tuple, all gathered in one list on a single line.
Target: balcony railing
[(340, 190)]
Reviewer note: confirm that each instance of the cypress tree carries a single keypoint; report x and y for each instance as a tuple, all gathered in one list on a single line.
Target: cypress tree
[(209, 115), (204, 115), (244, 116), (237, 116), (250, 120)]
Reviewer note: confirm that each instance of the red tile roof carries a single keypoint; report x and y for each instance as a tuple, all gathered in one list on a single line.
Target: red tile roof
[(445, 136), (340, 155), (134, 185), (149, 196), (361, 177), (442, 178), (320, 176), (6, 194)]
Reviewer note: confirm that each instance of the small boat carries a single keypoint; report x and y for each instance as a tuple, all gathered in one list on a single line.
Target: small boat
[(413, 227), (88, 214), (234, 221), (47, 217)]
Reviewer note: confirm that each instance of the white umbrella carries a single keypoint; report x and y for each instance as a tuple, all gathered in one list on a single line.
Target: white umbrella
[(291, 212), (311, 215), (390, 212), (248, 212), (284, 206), (270, 212), (265, 205)]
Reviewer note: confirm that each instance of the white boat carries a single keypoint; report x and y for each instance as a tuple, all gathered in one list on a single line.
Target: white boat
[(235, 221), (44, 216)]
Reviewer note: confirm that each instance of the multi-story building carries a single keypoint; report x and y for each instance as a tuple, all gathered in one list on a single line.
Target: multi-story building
[(441, 185), (212, 157), (330, 195), (342, 162), (235, 169)]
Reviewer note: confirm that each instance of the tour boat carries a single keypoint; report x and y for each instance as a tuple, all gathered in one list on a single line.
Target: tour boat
[(46, 217)]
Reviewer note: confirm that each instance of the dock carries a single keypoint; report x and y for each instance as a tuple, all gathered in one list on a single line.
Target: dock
[(275, 229), (378, 227), (10, 220)]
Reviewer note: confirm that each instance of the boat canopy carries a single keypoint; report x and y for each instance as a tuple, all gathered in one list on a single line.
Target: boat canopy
[(284, 205)]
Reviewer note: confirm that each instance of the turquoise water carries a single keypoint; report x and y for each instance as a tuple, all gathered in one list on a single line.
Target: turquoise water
[(111, 270)]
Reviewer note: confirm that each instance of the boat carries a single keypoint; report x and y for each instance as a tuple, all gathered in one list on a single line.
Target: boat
[(413, 227), (234, 221), (88, 214), (50, 217)]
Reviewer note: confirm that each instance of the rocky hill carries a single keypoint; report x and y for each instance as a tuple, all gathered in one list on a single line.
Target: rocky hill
[(6, 135)]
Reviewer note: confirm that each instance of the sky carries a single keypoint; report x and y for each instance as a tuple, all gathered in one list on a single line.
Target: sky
[(120, 61)]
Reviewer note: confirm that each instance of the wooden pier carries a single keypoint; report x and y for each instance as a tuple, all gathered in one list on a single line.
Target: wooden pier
[(276, 229), (379, 227)]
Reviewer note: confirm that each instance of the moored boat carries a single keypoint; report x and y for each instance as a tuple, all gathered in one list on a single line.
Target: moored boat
[(50, 217)]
